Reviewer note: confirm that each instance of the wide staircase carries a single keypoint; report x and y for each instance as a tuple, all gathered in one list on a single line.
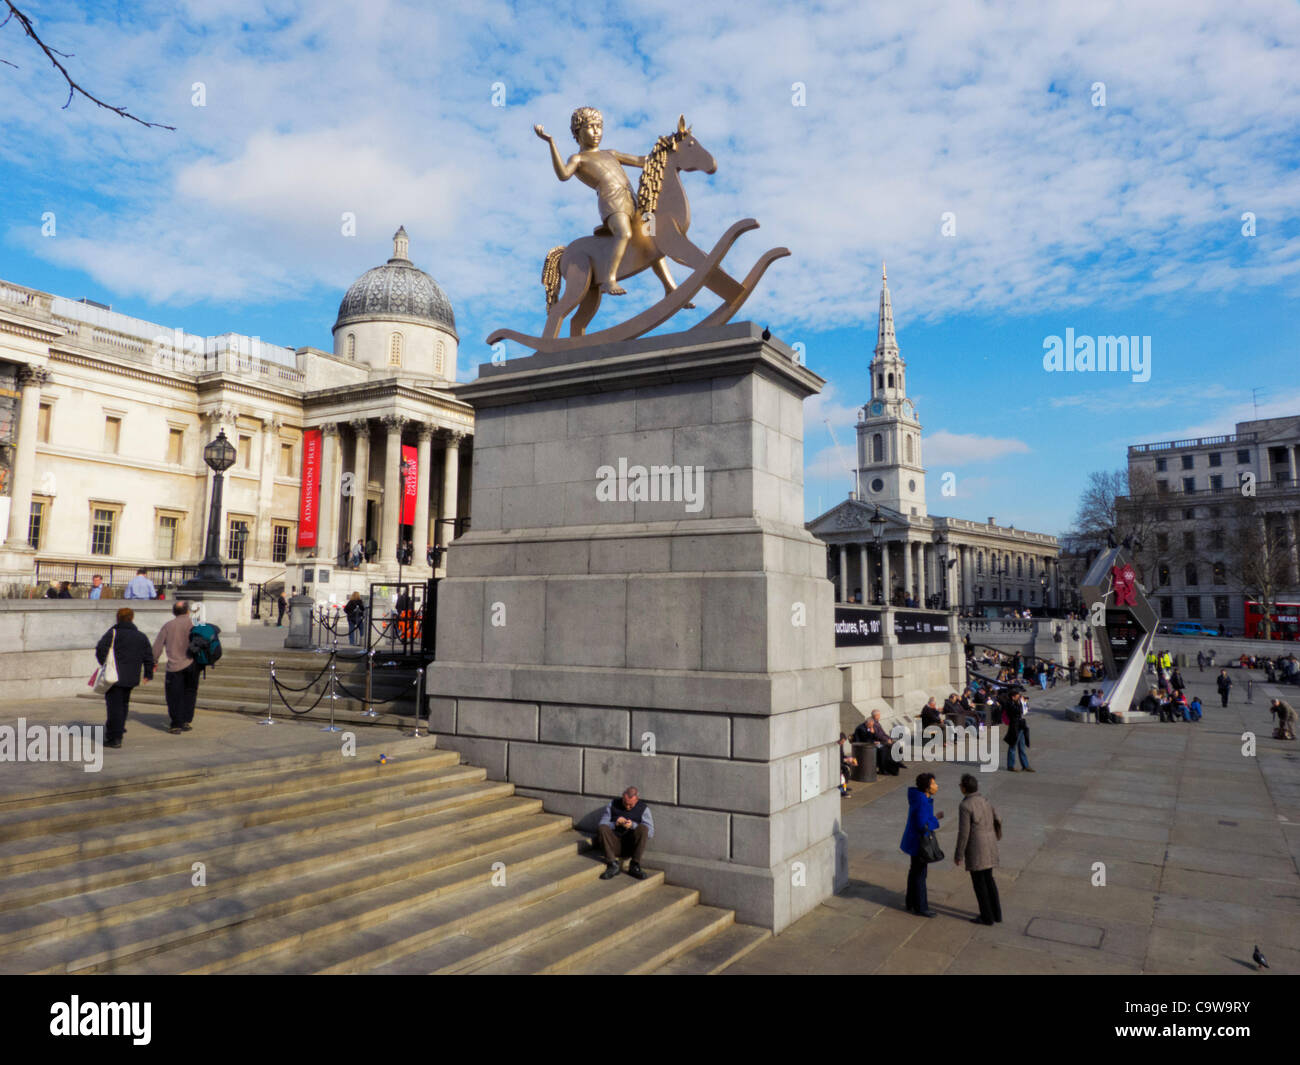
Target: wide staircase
[(240, 682), (313, 865)]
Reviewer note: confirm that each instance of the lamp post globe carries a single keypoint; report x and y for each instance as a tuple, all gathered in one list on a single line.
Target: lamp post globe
[(219, 456)]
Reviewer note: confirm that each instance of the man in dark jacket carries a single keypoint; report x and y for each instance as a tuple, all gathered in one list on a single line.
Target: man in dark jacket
[(282, 606), (625, 827), (181, 683), (1017, 737), (1224, 684), (132, 655), (873, 732)]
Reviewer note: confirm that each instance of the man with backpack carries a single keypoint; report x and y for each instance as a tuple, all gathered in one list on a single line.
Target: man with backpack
[(181, 686)]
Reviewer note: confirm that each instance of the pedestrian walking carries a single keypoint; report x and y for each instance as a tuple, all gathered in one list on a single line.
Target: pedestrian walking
[(181, 683), (282, 606), (133, 657), (921, 822), (356, 612), (1224, 684), (1200, 661), (1017, 737), (1286, 719), (978, 832), (358, 554)]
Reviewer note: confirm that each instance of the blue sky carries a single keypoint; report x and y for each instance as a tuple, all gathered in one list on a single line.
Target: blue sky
[(849, 131)]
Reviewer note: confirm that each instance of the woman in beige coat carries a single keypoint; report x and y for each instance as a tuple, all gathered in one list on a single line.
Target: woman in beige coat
[(978, 832)]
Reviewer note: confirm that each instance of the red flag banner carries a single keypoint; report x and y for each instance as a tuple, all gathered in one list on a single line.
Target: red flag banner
[(309, 493), (410, 485)]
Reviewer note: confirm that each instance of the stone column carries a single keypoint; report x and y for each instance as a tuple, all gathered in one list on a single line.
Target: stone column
[(864, 567), (884, 573), (907, 567), (420, 534), (32, 378), (450, 487), (331, 482), (261, 544), (360, 482), (1290, 458), (392, 481)]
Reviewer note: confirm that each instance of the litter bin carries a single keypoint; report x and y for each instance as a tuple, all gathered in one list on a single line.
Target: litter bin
[(865, 770)]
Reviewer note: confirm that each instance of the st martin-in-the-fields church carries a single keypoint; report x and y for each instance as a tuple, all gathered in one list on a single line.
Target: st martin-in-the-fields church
[(881, 540)]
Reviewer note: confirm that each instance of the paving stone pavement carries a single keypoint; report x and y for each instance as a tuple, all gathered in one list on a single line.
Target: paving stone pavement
[(1199, 842)]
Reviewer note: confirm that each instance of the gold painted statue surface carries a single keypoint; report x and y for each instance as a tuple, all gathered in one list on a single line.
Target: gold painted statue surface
[(636, 233)]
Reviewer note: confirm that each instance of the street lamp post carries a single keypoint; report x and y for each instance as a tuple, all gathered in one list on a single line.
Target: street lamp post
[(941, 547), (241, 542), (219, 456), (877, 523)]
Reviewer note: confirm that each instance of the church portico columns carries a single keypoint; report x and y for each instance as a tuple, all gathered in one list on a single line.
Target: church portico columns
[(388, 545), (885, 589), (451, 488), (331, 493), (907, 567), (360, 482), (32, 378), (420, 534), (864, 567), (844, 573)]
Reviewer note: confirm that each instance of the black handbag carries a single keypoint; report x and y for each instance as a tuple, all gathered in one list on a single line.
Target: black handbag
[(929, 851)]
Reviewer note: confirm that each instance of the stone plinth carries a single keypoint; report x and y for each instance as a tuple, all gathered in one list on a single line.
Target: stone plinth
[(589, 638)]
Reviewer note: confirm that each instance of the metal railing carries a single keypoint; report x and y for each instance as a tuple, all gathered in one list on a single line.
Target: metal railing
[(116, 574)]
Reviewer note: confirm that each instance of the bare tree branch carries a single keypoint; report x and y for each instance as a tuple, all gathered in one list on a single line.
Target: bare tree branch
[(54, 55)]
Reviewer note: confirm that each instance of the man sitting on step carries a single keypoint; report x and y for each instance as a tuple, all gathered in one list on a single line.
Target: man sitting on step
[(624, 828)]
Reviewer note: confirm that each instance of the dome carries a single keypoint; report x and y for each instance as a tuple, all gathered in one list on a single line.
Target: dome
[(397, 291)]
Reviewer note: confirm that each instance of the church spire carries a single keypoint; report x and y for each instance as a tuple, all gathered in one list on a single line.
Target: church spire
[(886, 342)]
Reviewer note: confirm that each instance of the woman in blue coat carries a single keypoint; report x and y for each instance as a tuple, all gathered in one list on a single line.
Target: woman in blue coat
[(921, 819)]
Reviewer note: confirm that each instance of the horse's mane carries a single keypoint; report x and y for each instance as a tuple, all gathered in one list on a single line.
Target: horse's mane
[(652, 174)]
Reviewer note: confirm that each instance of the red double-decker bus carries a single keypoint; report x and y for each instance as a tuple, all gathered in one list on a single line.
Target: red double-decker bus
[(1285, 618)]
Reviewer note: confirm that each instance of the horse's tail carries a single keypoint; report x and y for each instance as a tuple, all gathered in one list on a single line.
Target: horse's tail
[(551, 274)]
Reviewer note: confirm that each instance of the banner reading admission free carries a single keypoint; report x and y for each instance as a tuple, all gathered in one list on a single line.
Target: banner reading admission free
[(309, 495), (409, 484)]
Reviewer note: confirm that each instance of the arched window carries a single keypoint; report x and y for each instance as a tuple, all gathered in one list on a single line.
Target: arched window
[(1189, 574), (891, 380), (439, 361), (909, 447), (395, 350), (877, 448), (352, 346), (880, 381), (979, 562), (1020, 567), (1031, 567)]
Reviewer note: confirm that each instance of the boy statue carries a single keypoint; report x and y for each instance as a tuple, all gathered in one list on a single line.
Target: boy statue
[(603, 171)]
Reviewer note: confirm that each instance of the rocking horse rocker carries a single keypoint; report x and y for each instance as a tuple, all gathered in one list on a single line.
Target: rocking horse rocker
[(633, 238)]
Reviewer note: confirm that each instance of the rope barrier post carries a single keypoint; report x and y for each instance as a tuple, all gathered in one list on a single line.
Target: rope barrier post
[(334, 694), (370, 710), (414, 734), (270, 692)]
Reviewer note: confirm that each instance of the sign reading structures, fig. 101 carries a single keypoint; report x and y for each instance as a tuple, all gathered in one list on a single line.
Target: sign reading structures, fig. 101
[(636, 233)]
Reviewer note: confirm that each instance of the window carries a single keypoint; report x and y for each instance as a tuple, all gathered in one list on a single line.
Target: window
[(103, 522), (880, 382), (1031, 568), (245, 452), (395, 350), (1188, 461), (1162, 575), (168, 530), (1216, 482), (1220, 606), (279, 543), (1162, 541), (1162, 487), (351, 350), (1193, 606), (877, 448), (891, 380), (1020, 567), (1166, 606), (1216, 458), (175, 445), (1277, 455), (1189, 575), (1220, 573), (1189, 484), (1189, 540), (1189, 514), (1162, 465), (36, 524), (877, 485), (112, 434), (43, 424), (979, 562), (237, 540), (908, 441), (286, 460), (1243, 456)]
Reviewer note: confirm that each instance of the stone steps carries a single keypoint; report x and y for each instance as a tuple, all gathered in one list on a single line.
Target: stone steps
[(315, 865)]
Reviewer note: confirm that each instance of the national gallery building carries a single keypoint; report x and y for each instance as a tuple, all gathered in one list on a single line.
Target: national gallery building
[(104, 420), (881, 539)]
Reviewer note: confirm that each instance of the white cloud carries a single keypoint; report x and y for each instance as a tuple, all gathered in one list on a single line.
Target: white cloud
[(943, 448)]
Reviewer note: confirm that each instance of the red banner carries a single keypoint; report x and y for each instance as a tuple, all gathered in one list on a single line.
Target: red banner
[(309, 493), (410, 485)]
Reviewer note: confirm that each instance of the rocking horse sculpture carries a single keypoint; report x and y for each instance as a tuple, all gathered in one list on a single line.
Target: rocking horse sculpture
[(632, 238)]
